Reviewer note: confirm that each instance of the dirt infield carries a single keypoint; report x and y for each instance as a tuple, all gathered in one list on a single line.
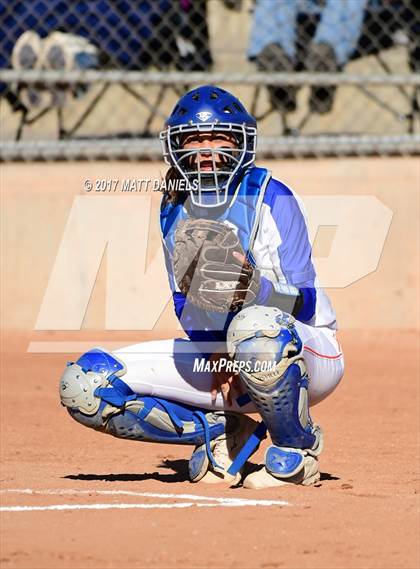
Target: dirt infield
[(72, 498)]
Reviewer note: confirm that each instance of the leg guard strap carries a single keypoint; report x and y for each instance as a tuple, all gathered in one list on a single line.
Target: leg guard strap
[(201, 416), (246, 451)]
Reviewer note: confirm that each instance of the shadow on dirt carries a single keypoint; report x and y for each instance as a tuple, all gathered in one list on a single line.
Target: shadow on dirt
[(325, 476), (132, 477), (179, 474)]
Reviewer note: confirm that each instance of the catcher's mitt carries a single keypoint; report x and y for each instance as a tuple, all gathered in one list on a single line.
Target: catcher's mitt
[(206, 270)]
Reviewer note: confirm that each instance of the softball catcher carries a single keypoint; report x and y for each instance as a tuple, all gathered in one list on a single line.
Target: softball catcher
[(260, 332)]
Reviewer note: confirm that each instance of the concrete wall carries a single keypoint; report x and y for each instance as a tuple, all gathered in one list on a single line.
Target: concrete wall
[(37, 200)]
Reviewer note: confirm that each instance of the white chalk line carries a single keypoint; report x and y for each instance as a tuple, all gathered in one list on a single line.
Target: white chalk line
[(70, 491), (193, 500), (62, 507)]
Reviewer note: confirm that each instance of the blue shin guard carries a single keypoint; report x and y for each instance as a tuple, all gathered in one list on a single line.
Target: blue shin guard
[(268, 351), (96, 397)]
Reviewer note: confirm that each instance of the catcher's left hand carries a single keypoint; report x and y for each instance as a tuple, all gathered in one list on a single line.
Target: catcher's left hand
[(210, 266), (227, 382)]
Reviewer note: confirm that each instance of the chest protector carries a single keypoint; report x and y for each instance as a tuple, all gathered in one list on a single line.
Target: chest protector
[(242, 214)]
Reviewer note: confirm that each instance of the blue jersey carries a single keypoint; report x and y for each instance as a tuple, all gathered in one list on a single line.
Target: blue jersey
[(270, 222)]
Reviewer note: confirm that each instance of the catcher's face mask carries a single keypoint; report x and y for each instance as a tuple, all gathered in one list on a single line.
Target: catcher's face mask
[(210, 139), (210, 157)]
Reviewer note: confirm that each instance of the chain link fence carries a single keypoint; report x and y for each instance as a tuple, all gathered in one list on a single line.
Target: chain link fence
[(96, 79)]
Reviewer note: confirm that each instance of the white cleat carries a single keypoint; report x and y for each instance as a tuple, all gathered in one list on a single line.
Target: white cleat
[(224, 450), (215, 477), (263, 479)]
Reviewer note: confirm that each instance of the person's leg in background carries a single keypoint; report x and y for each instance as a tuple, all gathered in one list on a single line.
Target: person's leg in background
[(273, 46), (335, 39)]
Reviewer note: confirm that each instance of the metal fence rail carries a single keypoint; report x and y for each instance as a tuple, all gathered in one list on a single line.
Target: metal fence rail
[(194, 78), (268, 147)]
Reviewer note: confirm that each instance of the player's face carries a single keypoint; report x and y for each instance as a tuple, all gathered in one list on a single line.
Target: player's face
[(207, 140)]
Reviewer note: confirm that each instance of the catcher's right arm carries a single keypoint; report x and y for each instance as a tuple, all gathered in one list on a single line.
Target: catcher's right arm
[(206, 269)]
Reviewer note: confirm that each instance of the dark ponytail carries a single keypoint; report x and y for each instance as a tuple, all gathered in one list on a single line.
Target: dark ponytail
[(170, 195)]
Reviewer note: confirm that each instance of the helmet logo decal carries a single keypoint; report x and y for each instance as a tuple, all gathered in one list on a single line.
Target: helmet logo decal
[(204, 115)]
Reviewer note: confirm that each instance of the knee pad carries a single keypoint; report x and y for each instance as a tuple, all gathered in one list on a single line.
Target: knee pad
[(268, 351), (81, 380)]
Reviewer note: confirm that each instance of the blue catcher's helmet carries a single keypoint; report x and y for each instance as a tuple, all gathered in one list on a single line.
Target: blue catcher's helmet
[(210, 109)]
